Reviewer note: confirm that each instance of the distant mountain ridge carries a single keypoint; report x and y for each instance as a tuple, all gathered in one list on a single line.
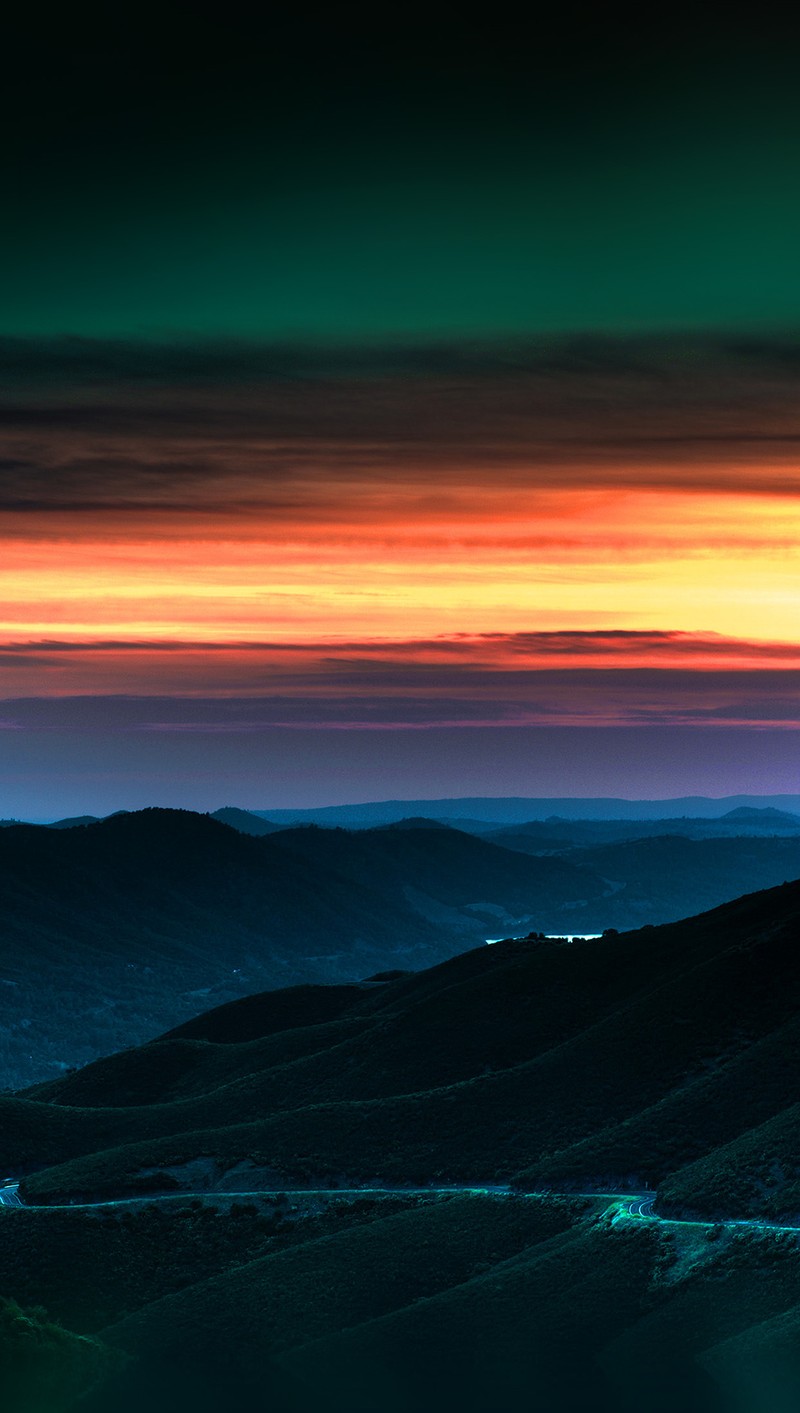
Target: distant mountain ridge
[(519, 809), (476, 813)]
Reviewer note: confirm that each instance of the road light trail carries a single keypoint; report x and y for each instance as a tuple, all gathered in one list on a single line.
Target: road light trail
[(636, 1207)]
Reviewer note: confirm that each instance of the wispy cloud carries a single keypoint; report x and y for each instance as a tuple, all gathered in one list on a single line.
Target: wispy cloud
[(95, 427), (497, 679), (451, 521)]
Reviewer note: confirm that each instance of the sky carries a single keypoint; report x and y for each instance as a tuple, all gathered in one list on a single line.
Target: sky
[(396, 412)]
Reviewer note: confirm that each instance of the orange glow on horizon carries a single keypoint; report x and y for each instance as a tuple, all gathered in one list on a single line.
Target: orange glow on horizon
[(616, 557)]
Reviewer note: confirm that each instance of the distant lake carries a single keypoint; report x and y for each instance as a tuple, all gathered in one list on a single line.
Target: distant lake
[(550, 937)]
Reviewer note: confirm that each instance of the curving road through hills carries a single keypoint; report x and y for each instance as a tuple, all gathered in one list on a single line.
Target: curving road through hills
[(638, 1207), (9, 1195)]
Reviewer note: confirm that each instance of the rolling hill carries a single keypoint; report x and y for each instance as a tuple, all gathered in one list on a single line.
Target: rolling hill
[(117, 929), (559, 834), (245, 822), (113, 931), (666, 1057), (606, 1063)]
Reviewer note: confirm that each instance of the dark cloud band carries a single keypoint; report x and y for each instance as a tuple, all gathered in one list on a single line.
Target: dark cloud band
[(104, 426)]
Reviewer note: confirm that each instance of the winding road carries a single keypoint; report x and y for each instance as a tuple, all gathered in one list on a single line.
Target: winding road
[(640, 1206), (9, 1195), (621, 1206)]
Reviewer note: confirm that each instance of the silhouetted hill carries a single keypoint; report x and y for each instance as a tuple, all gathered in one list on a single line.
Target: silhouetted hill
[(668, 1056), (768, 815), (622, 1060), (653, 876), (757, 1172), (443, 872), (670, 876), (115, 930), (245, 822)]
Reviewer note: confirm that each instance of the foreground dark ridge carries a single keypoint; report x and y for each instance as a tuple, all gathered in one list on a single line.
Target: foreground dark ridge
[(583, 1082)]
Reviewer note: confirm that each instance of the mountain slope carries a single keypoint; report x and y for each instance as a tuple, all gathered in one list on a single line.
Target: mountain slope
[(644, 874), (564, 1064), (667, 1055), (245, 822), (441, 870), (113, 931), (756, 1173)]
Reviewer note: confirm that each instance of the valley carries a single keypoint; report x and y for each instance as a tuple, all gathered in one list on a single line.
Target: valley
[(115, 930)]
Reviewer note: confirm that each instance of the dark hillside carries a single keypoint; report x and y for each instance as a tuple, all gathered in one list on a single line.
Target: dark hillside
[(759, 1365), (613, 1061), (120, 929), (272, 1013), (526, 1317), (665, 1056), (758, 1172), (755, 1083), (768, 816), (43, 1367), (292, 1307), (657, 873), (643, 873), (245, 822), (437, 868), (113, 931)]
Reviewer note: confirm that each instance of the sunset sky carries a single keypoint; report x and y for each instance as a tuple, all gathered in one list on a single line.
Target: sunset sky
[(397, 417)]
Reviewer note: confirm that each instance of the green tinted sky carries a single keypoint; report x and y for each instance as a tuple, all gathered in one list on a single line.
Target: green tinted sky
[(316, 179)]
